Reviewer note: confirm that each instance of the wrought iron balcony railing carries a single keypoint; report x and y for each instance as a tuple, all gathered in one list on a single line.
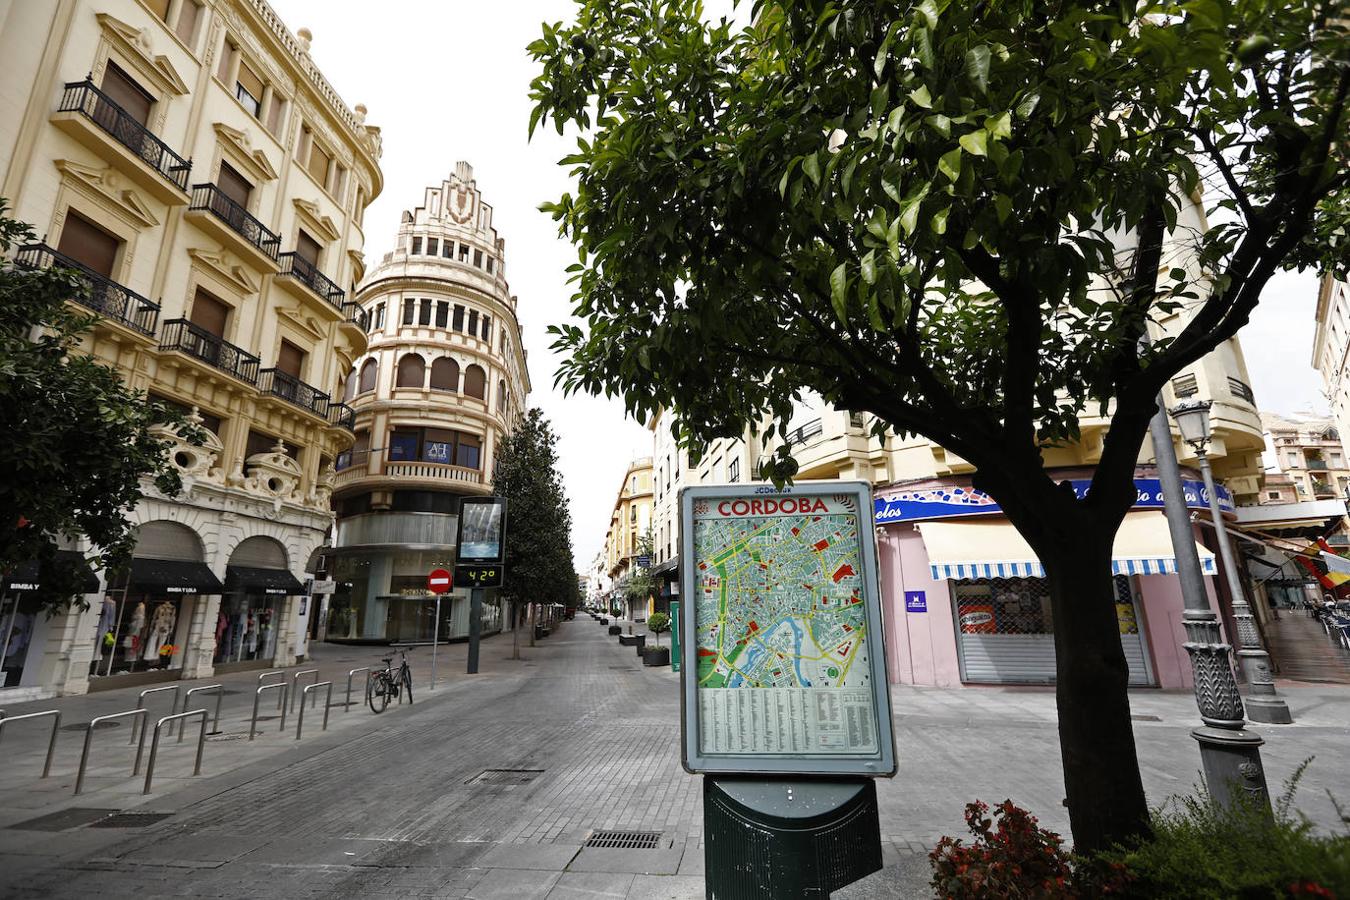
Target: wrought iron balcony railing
[(342, 415), (1317, 465), (805, 432), (197, 342), (294, 391), (212, 199), (356, 315), (1241, 390), (293, 265), (99, 108), (101, 294)]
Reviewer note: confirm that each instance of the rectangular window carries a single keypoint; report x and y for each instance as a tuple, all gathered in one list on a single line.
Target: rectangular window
[(403, 444), (258, 442), (318, 163), (734, 471), (409, 310), (186, 29), (248, 90), (425, 317), (209, 422), (307, 248), (489, 266), (458, 322), (228, 52), (290, 359), (86, 243), (468, 449), (416, 246), (473, 321), (379, 316), (339, 181), (463, 252), (276, 115), (433, 246), (209, 313), (123, 90), (448, 249), (478, 258), (233, 185), (487, 328), (442, 313)]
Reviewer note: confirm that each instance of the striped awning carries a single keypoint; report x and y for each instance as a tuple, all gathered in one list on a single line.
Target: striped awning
[(975, 549)]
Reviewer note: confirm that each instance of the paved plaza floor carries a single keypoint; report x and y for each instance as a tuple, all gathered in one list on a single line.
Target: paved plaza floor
[(490, 786)]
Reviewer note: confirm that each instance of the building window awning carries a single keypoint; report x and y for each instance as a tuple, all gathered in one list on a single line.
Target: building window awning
[(250, 580), (966, 550), (27, 577), (172, 576)]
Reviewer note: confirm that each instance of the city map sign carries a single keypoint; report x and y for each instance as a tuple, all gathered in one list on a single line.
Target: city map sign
[(783, 667)]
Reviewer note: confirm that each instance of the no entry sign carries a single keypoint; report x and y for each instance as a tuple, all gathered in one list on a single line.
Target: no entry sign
[(438, 582)]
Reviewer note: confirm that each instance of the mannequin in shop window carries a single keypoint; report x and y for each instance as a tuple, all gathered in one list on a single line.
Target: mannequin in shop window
[(161, 630), (132, 642)]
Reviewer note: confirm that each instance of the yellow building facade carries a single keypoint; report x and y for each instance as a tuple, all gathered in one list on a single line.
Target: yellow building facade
[(630, 520), (192, 163)]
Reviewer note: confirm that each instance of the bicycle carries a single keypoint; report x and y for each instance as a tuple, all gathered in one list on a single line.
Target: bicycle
[(389, 682)]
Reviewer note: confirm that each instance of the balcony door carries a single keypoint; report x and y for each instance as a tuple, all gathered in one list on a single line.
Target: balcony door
[(210, 316), (96, 250), (237, 188), (129, 96)]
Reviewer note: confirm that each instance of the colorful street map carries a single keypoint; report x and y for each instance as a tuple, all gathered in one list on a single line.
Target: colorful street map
[(781, 627)]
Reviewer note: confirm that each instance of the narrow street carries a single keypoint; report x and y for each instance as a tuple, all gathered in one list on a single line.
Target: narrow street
[(490, 786)]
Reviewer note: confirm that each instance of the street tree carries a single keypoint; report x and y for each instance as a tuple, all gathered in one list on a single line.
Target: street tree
[(78, 444), (965, 219), (641, 584), (538, 555)]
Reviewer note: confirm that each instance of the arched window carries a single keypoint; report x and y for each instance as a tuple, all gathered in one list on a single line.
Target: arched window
[(349, 389), (368, 372), (501, 396), (444, 374), (411, 371), (475, 382)]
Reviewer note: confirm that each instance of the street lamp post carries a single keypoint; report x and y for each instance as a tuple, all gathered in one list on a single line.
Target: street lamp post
[(1230, 755), (1264, 703)]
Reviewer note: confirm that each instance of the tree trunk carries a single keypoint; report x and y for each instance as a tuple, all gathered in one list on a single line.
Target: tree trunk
[(1104, 793), (515, 630)]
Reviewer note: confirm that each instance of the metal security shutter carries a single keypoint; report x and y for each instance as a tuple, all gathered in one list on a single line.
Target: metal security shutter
[(1005, 637)]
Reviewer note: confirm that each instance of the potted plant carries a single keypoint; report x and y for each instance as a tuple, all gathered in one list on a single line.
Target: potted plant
[(657, 655)]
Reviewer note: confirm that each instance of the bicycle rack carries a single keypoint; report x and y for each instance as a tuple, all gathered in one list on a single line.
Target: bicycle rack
[(139, 717), (346, 706), (269, 674), (154, 743), (140, 704), (187, 701), (51, 744), (295, 681), (285, 688), (327, 705)]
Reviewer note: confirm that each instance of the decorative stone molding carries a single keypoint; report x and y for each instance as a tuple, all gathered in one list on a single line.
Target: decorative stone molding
[(312, 215), (240, 147), (105, 187), (194, 462), (221, 264), (274, 475), (322, 492), (135, 44)]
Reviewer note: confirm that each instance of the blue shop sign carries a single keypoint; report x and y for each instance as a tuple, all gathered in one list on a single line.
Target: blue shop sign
[(916, 601), (945, 502)]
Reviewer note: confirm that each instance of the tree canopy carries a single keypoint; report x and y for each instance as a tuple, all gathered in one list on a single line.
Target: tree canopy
[(77, 441), (965, 219)]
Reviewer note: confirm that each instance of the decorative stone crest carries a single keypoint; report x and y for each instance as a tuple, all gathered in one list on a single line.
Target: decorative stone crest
[(194, 462), (274, 475)]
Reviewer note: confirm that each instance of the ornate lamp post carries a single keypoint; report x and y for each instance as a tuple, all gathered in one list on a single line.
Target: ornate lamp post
[(1230, 755), (1264, 704)]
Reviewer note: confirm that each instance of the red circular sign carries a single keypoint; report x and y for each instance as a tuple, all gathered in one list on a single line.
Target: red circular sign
[(438, 582)]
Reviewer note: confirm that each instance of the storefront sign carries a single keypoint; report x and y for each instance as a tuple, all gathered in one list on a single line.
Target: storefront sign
[(916, 601), (945, 502), (323, 587), (782, 663)]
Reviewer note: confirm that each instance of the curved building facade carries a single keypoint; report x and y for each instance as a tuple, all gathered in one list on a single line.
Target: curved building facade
[(442, 382)]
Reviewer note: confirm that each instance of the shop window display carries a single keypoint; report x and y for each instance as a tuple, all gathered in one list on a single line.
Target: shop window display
[(136, 634), (18, 616), (246, 629)]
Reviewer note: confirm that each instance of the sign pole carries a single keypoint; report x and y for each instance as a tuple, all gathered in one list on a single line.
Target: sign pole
[(435, 640), (475, 627)]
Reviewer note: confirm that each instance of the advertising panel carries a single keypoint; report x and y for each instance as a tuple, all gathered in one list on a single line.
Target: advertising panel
[(783, 660), (482, 530)]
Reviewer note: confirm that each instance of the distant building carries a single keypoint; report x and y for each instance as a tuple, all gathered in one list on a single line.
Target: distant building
[(629, 521), (1331, 347), (1305, 453), (443, 382)]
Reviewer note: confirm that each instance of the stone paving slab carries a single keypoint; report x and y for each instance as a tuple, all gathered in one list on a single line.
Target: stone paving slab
[(549, 857), (666, 887), (580, 885), (514, 884), (410, 855), (639, 862)]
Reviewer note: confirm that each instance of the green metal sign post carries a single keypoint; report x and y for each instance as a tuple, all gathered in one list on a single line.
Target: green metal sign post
[(675, 635)]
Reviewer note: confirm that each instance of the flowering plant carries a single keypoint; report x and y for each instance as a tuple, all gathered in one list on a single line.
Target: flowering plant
[(167, 650)]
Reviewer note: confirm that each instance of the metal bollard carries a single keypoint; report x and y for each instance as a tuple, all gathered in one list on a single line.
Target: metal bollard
[(295, 679), (269, 674), (346, 706), (140, 704), (187, 701), (253, 725), (51, 744), (327, 704), (154, 744), (139, 716)]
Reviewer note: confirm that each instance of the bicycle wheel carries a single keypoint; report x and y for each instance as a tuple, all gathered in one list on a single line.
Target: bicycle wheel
[(405, 675), (378, 690)]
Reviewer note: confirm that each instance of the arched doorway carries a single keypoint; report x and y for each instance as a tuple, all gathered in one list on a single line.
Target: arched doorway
[(256, 606)]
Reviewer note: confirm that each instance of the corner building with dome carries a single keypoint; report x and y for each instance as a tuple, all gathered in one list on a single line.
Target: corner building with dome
[(442, 382)]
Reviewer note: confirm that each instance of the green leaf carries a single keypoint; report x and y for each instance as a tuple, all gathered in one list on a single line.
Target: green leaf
[(950, 163), (1003, 207), (939, 221), (921, 97), (869, 267), (909, 215), (811, 166), (940, 123), (848, 174), (839, 291), (893, 239), (787, 174), (1000, 126), (928, 9), (975, 143), (977, 67)]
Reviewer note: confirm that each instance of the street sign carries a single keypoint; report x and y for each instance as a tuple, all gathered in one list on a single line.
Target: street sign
[(482, 530), (323, 587), (476, 576), (644, 561), (438, 582), (783, 667), (916, 601)]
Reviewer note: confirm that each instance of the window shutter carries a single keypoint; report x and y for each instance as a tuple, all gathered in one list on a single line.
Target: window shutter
[(290, 359), (126, 93), (209, 314), (86, 243), (233, 185)]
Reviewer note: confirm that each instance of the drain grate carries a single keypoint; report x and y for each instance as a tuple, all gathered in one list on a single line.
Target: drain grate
[(509, 777), (624, 840), (66, 818), (228, 736), (84, 726), (130, 820)]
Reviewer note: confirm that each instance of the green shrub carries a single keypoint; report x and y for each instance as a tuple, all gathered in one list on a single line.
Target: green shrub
[(657, 623), (1200, 851)]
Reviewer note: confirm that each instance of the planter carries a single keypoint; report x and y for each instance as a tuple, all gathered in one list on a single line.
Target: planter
[(604, 621), (615, 629), (640, 642), (627, 640), (656, 656), (539, 632)]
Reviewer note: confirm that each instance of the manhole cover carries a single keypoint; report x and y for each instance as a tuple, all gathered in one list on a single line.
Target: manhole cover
[(66, 818), (84, 726), (505, 776), (624, 840), (231, 736), (130, 820)]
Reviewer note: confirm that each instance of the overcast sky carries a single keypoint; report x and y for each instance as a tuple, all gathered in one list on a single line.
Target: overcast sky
[(447, 80)]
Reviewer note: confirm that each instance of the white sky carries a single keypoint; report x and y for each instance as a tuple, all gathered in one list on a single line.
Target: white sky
[(447, 80)]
